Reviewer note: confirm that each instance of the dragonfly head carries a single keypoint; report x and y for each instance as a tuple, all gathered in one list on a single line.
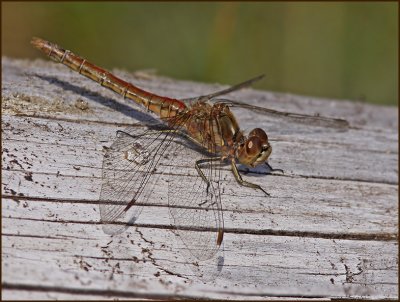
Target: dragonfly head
[(256, 148)]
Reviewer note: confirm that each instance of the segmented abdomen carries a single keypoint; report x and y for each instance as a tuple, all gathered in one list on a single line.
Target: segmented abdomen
[(162, 106)]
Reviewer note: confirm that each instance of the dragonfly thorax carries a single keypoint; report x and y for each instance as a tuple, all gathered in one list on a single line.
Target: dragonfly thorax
[(255, 149), (214, 127)]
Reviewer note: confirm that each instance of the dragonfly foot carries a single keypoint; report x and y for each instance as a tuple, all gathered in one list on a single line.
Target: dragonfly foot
[(265, 192), (272, 169)]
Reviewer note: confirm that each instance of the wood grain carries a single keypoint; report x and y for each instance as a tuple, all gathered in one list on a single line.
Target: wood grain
[(329, 229)]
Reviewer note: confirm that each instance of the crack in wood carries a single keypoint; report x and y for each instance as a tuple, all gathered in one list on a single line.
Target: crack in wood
[(265, 232), (245, 172), (94, 292)]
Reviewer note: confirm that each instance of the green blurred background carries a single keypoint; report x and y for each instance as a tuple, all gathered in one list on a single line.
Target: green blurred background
[(334, 50)]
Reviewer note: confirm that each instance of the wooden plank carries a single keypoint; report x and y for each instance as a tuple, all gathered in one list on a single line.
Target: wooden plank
[(333, 216), (81, 254), (317, 236), (335, 157), (43, 88), (78, 166)]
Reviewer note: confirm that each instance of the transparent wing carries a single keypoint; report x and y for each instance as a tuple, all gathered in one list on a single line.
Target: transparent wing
[(194, 199), (135, 165), (225, 91), (293, 117), (129, 176)]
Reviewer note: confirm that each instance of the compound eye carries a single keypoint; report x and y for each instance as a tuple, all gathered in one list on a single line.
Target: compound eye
[(253, 146), (258, 132)]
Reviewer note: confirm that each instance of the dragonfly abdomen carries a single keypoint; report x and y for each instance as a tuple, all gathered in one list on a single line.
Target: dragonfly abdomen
[(162, 106)]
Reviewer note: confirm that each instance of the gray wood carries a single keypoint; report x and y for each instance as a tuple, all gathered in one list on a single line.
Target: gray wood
[(329, 229)]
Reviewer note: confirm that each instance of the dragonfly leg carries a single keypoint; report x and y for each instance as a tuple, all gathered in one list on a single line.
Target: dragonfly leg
[(243, 182), (197, 166), (272, 169)]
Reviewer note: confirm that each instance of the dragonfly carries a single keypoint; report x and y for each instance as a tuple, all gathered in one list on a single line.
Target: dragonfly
[(194, 138)]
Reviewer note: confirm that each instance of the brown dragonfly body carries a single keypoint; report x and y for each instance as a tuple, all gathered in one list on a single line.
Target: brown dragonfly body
[(210, 125)]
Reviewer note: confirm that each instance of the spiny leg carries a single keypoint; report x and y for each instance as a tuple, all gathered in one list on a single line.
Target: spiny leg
[(243, 182), (197, 166), (272, 169)]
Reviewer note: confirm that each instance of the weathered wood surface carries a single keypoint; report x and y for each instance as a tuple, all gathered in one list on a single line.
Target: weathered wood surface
[(329, 229)]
